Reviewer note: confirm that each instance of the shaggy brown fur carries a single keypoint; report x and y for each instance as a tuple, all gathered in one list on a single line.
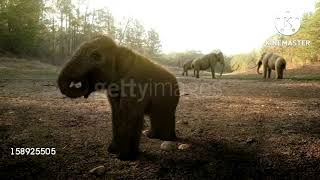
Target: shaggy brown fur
[(186, 66), (155, 91)]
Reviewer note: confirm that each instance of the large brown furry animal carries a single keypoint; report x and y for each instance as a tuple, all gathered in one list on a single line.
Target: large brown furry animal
[(135, 86)]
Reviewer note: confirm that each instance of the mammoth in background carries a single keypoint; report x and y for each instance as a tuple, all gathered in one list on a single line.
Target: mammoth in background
[(186, 66), (130, 82), (271, 61), (208, 61)]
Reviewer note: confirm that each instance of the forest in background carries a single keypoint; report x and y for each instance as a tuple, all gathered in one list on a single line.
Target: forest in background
[(294, 55), (51, 30)]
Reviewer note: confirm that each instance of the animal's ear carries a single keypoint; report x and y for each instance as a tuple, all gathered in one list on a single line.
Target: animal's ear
[(96, 55)]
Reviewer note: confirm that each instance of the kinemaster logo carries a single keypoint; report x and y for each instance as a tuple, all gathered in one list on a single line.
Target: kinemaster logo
[(287, 23)]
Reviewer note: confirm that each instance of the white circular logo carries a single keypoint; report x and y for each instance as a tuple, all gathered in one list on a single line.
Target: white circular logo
[(287, 23)]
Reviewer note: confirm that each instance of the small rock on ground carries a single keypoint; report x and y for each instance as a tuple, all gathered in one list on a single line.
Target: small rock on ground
[(184, 146), (168, 146), (250, 140), (145, 132), (99, 171)]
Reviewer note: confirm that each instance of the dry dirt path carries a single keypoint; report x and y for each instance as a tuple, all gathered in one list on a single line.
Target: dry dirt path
[(237, 128)]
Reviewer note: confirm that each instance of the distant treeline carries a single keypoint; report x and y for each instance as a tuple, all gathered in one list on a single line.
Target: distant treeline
[(309, 30), (293, 53), (53, 29)]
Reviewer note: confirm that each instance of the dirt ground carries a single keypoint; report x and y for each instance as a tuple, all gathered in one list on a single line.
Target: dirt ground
[(238, 128)]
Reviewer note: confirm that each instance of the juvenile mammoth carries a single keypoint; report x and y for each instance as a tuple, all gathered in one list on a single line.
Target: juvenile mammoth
[(135, 87), (186, 66), (271, 61), (206, 62)]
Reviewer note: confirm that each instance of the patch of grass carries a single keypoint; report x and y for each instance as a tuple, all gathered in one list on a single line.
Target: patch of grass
[(24, 74), (293, 78), (305, 78), (26, 69)]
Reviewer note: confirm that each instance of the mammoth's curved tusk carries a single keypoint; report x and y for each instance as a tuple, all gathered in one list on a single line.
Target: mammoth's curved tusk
[(71, 84), (76, 85)]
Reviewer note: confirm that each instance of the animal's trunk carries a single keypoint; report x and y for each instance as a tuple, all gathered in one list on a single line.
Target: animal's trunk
[(259, 65), (222, 68), (72, 83)]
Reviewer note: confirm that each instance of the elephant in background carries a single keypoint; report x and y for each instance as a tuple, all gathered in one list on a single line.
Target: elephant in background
[(186, 66), (208, 61), (271, 61)]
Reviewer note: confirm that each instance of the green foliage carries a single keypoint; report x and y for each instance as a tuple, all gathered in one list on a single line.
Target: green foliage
[(135, 35), (54, 29), (243, 62), (19, 26), (310, 30), (153, 44), (177, 59)]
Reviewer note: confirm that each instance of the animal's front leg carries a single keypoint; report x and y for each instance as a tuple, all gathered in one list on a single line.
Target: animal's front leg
[(115, 107), (197, 73), (265, 69), (128, 129), (269, 73), (213, 72)]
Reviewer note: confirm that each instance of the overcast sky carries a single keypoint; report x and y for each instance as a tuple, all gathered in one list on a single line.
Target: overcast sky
[(234, 26)]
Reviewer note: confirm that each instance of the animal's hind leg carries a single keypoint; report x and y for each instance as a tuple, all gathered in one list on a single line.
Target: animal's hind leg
[(197, 73), (279, 73), (162, 125)]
